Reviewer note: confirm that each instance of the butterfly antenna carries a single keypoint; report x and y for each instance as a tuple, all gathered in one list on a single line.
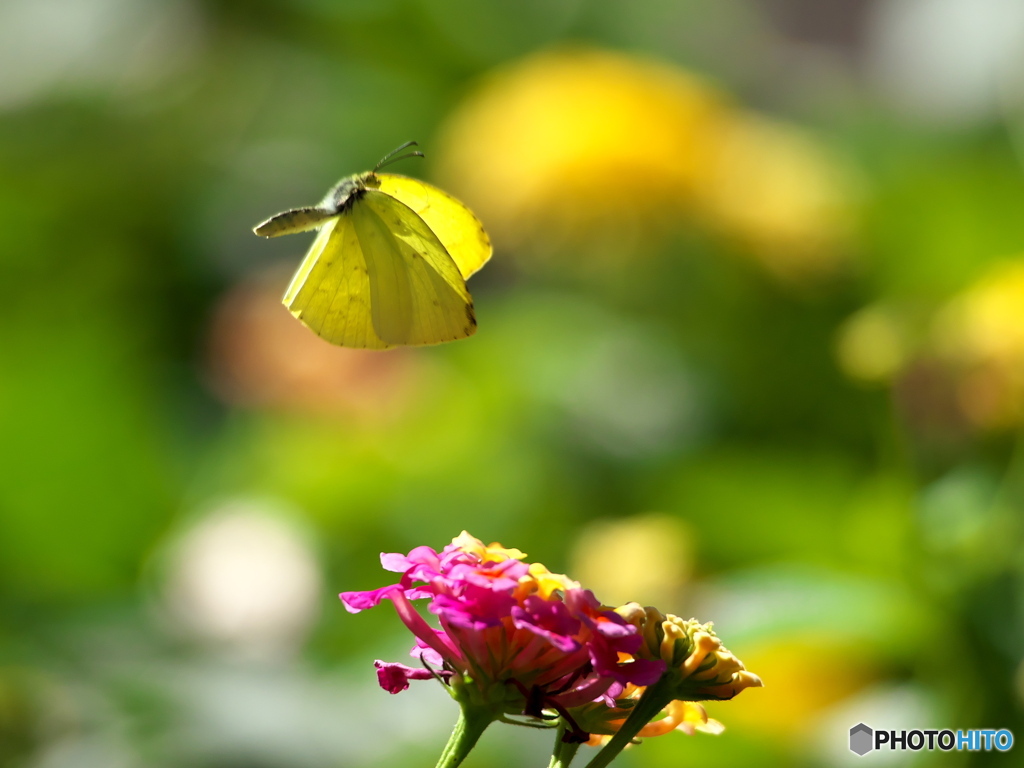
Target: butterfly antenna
[(390, 158)]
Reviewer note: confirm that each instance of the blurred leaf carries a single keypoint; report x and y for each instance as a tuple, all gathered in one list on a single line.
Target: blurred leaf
[(942, 218)]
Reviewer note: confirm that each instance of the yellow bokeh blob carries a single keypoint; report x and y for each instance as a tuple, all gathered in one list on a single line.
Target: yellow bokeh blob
[(600, 153), (568, 143), (980, 333), (873, 345), (658, 549), (779, 192)]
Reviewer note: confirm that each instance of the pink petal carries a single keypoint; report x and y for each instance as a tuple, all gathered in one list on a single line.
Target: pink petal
[(394, 678), (359, 601)]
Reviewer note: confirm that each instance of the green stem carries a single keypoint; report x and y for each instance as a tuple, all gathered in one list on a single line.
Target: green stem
[(563, 752), (472, 722), (655, 699)]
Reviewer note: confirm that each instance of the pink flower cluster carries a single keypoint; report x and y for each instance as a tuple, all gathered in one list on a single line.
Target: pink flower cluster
[(512, 636)]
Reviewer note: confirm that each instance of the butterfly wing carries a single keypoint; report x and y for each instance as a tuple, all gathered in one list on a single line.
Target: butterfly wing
[(417, 294), (460, 232), (330, 293)]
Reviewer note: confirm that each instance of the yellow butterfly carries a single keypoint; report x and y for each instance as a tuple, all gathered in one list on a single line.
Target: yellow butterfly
[(389, 264)]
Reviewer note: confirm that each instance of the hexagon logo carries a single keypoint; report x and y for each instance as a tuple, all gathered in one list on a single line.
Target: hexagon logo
[(861, 739)]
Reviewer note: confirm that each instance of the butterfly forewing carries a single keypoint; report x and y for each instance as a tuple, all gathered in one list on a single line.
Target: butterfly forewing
[(460, 232), (330, 293)]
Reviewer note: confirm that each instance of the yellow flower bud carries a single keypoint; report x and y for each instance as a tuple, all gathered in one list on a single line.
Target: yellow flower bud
[(699, 666)]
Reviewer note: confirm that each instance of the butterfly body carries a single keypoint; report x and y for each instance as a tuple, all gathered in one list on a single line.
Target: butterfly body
[(389, 263), (346, 191)]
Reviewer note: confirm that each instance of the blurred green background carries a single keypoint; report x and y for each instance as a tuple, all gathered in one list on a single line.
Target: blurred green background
[(751, 347)]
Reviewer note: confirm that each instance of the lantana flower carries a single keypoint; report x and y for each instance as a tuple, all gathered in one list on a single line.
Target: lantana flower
[(515, 639)]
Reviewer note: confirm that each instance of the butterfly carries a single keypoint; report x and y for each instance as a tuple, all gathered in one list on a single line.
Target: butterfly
[(389, 263)]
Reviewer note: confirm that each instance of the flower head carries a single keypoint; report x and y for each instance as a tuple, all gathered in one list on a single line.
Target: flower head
[(513, 637), (699, 666)]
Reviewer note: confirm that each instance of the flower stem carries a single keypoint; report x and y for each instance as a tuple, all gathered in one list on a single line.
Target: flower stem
[(472, 722), (655, 699), (563, 752)]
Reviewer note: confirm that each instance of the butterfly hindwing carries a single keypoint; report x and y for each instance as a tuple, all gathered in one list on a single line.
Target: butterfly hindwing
[(417, 293)]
